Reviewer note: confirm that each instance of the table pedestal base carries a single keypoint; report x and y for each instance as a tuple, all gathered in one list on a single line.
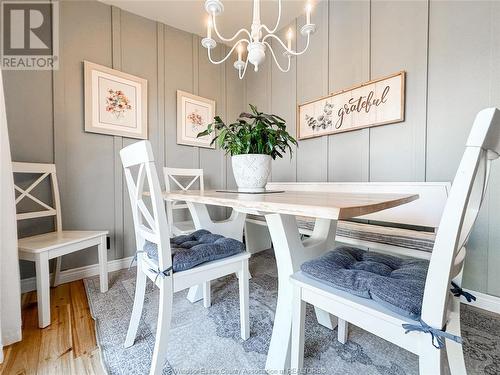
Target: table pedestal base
[(290, 253)]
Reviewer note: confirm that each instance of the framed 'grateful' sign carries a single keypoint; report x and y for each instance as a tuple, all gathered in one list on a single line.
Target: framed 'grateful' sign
[(374, 103)]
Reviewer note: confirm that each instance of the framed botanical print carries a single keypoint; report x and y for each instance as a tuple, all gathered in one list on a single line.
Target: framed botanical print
[(194, 113), (116, 103)]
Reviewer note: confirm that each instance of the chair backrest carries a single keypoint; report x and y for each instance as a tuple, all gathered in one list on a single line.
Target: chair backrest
[(150, 224), (44, 171), (173, 182), (423, 212), (460, 213)]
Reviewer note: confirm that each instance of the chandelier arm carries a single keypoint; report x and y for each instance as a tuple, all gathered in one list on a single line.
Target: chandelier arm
[(276, 60), (242, 74), (228, 54), (286, 48), (277, 21), (234, 36)]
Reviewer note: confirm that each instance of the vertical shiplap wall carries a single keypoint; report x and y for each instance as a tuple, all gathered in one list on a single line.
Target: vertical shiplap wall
[(93, 191), (451, 53)]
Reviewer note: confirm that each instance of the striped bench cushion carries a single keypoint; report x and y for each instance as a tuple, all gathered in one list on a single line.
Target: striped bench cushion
[(407, 238)]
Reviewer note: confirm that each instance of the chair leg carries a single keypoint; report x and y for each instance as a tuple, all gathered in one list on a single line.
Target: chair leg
[(343, 330), (43, 289), (244, 300), (57, 273), (430, 361), (103, 264), (163, 326), (207, 300), (140, 289), (454, 350), (298, 318)]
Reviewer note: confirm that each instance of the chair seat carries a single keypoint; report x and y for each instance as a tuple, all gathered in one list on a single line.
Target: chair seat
[(54, 240), (395, 283), (199, 247)]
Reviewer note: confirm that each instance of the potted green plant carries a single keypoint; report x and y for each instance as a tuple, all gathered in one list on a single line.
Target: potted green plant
[(252, 141)]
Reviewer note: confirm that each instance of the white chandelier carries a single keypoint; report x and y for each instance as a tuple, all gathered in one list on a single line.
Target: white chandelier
[(256, 41)]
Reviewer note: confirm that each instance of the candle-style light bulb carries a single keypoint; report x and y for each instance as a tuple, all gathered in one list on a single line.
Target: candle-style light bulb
[(308, 12), (289, 36), (209, 28), (240, 51)]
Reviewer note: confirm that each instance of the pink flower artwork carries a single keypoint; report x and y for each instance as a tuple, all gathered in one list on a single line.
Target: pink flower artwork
[(195, 119), (117, 103)]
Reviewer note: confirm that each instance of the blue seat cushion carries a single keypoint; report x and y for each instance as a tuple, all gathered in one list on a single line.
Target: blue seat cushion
[(395, 283), (191, 250)]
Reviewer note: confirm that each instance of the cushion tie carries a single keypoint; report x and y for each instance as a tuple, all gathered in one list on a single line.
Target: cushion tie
[(134, 259), (164, 273), (438, 335), (458, 291)]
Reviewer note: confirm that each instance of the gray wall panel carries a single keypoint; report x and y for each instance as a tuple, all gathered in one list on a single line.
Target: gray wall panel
[(284, 92), (38, 145), (349, 64), (459, 62), (312, 82), (179, 68), (138, 42), (459, 66), (86, 190), (399, 42), (211, 84), (235, 103)]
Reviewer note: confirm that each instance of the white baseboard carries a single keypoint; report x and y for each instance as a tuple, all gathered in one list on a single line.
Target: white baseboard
[(29, 284), (484, 301)]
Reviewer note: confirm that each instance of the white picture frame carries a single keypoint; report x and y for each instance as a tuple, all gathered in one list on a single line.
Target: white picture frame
[(194, 113), (116, 103)]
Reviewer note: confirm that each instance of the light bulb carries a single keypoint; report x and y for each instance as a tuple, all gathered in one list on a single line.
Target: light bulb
[(209, 28), (289, 36), (240, 51), (308, 12)]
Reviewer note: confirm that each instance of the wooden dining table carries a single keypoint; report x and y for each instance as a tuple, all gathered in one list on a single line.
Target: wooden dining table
[(280, 210)]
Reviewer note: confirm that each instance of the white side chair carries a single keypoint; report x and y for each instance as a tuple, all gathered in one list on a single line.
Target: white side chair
[(155, 259), (172, 175), (41, 248), (438, 324)]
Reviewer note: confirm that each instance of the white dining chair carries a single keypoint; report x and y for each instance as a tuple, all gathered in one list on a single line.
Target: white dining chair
[(168, 266), (43, 247), (414, 309), (173, 181)]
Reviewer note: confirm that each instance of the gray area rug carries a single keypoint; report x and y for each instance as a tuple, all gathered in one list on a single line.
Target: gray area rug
[(207, 341)]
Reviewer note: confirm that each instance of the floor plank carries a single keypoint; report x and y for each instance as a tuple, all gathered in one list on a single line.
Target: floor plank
[(67, 346), (82, 324)]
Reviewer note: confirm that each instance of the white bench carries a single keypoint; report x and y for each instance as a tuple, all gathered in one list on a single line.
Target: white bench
[(418, 221)]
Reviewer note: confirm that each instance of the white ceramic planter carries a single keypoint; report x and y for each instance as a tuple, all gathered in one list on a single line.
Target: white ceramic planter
[(251, 171)]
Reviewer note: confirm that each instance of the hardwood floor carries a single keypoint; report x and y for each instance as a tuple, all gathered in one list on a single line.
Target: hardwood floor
[(67, 346)]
